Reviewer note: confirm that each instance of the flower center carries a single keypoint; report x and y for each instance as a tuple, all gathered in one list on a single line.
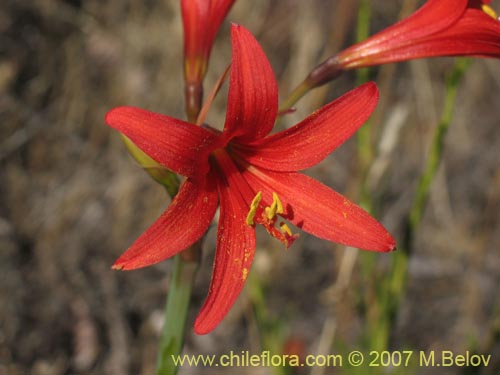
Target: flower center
[(267, 216)]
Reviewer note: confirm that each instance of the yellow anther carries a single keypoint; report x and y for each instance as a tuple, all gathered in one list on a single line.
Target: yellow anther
[(285, 229), (275, 208), (279, 205), (489, 11), (253, 208)]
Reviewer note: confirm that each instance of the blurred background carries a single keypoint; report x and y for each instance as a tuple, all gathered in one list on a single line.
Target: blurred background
[(72, 200)]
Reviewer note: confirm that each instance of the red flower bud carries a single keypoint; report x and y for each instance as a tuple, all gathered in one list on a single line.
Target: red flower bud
[(438, 28), (201, 20)]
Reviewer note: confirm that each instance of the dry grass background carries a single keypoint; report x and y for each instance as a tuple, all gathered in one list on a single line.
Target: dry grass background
[(72, 199)]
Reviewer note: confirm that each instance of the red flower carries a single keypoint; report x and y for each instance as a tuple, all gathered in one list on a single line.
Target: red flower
[(252, 175), (438, 28), (201, 20)]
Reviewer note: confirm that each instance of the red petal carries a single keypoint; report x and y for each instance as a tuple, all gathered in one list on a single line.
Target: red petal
[(233, 259), (476, 33), (253, 93), (178, 145), (318, 210), (433, 17), (182, 224), (310, 141)]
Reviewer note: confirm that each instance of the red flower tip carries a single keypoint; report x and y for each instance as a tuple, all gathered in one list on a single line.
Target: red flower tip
[(391, 244), (206, 326)]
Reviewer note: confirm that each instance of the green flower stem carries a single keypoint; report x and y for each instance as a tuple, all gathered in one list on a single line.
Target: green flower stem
[(364, 134), (394, 286), (193, 94), (362, 33), (437, 146), (183, 275), (185, 267), (176, 309), (270, 329), (398, 277), (294, 97), (376, 333)]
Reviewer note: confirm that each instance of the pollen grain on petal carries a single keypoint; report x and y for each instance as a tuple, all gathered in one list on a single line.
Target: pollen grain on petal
[(244, 274)]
